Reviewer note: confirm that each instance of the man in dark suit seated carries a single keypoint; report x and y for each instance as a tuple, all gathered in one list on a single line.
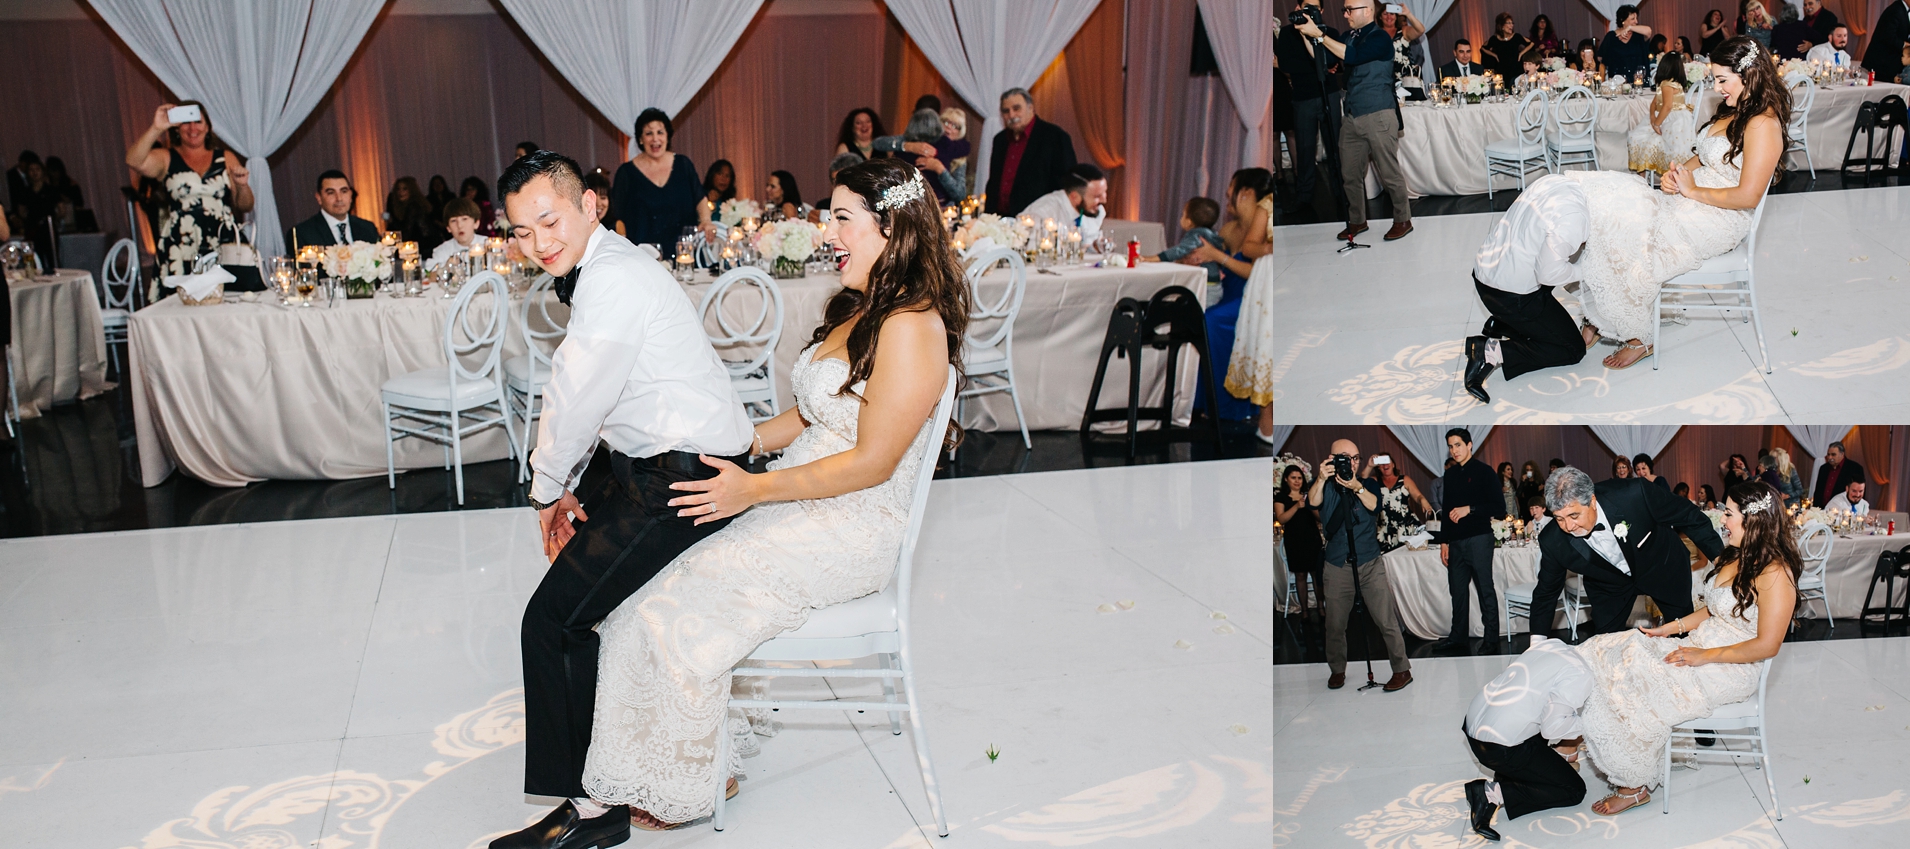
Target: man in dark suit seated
[(1461, 64), (334, 224), (1884, 53), (1837, 472), (1030, 158), (1621, 536)]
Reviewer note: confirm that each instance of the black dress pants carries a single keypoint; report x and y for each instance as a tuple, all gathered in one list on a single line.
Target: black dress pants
[(1315, 120), (632, 535), (1469, 566), (1539, 333), (1532, 776)]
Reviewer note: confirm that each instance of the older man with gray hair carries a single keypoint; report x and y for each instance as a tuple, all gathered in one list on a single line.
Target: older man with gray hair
[(1030, 157), (1621, 535)]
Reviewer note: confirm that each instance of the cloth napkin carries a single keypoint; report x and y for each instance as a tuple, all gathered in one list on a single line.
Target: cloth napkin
[(198, 286), (982, 245)]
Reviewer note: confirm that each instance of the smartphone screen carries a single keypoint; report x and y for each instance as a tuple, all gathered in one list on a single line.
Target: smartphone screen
[(183, 114)]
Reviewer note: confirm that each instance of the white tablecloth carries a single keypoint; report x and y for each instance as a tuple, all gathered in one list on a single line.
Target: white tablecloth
[(59, 345), (238, 393), (1424, 604), (1443, 150), (1847, 576)]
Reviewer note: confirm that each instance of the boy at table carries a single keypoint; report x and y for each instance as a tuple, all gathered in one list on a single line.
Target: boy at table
[(461, 218)]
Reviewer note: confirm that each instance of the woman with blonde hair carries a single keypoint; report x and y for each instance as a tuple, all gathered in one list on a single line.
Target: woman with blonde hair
[(1789, 482)]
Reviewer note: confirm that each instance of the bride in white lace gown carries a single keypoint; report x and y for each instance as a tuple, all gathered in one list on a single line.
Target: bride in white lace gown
[(1641, 238), (823, 526), (1646, 681)]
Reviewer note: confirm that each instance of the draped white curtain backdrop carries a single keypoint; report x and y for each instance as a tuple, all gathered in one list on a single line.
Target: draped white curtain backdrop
[(1241, 32), (1429, 13), (259, 67), (1428, 442), (1280, 434), (627, 57), (986, 47), (1817, 439), (1633, 440)]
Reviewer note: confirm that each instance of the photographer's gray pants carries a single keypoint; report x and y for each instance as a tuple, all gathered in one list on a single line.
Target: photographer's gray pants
[(1373, 136), (1377, 592)]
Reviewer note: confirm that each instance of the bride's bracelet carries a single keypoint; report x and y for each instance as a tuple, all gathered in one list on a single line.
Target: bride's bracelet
[(758, 443)]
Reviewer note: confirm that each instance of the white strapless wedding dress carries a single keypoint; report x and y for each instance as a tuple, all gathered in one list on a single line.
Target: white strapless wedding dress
[(1637, 697), (663, 672), (1642, 237)]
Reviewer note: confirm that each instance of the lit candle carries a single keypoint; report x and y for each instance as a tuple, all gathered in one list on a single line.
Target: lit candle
[(389, 240), (958, 245), (1074, 237), (1028, 221), (1047, 244), (503, 268), (495, 243), (749, 225), (736, 235), (683, 260), (408, 249), (1048, 224)]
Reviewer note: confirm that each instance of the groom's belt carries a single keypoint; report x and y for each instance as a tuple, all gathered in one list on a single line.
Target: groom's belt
[(686, 462)]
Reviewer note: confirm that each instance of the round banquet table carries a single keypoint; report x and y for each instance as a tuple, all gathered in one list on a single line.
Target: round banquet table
[(59, 343), (238, 392), (1443, 149)]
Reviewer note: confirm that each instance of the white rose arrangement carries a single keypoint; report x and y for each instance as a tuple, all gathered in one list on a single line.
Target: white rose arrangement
[(787, 244), (369, 261), (1555, 64), (1002, 231), (734, 210), (1475, 84), (1793, 66), (1696, 72)]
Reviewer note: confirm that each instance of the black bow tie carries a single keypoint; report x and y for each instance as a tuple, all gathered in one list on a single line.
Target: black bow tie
[(1598, 527), (566, 284)]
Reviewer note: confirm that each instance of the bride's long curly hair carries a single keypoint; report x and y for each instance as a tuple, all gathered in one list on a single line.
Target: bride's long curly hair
[(1767, 542), (1764, 94), (918, 271)]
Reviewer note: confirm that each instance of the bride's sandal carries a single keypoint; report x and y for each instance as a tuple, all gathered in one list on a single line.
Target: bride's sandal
[(1617, 362), (1632, 800), (643, 821)]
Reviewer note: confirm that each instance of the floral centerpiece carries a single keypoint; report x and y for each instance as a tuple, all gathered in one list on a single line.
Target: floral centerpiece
[(787, 244), (1283, 461), (1474, 87), (1793, 66), (734, 210), (362, 265), (1717, 520), (1696, 72), (1555, 64), (1000, 232)]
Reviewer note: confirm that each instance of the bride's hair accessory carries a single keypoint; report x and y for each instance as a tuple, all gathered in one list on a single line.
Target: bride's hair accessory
[(1744, 62), (907, 191), (1758, 504)]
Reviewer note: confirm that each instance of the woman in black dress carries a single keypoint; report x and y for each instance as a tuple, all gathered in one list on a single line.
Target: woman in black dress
[(656, 194), (1626, 50), (1305, 550), (1713, 33), (206, 187), (1503, 50)]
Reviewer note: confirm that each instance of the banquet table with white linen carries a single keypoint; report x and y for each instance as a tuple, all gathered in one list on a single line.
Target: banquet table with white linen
[(59, 344), (1847, 576), (242, 392), (1443, 149), (1424, 604)]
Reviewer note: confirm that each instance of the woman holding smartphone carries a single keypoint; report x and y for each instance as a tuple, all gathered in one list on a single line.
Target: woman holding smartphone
[(205, 188)]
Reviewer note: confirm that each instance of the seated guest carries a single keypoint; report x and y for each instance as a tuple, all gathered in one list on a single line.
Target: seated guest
[(461, 218), (1682, 490), (919, 138), (407, 211), (1246, 237), (597, 182), (1530, 65), (1642, 467), (1585, 61), (1903, 73), (1755, 22), (1707, 498), (954, 147), (478, 192), (1833, 50), (719, 183), (334, 224), (1197, 220), (1820, 19), (1837, 473), (1080, 203), (1791, 38), (1029, 158), (781, 198), (1461, 64), (1535, 512), (1851, 500)]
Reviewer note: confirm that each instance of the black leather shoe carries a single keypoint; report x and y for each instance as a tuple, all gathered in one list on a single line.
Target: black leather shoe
[(563, 828), (1477, 368), (1492, 330), (1482, 810)]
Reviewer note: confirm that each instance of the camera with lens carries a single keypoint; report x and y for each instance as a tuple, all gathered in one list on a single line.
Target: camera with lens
[(1343, 466), (1303, 15)]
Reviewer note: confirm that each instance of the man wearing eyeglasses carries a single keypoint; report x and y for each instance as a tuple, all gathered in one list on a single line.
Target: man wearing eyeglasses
[(1373, 125)]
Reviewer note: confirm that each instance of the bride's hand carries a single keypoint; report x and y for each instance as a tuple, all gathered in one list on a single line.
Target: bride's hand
[(1688, 656), (1671, 181), (731, 492), (1664, 630)]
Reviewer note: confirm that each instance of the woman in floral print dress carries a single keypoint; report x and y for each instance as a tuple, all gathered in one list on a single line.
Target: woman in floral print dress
[(206, 188)]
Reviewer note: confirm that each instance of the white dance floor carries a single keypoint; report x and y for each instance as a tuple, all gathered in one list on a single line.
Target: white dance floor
[(1379, 769), (1376, 335), (354, 682)]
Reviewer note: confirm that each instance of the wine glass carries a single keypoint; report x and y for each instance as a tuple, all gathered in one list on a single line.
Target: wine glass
[(307, 281)]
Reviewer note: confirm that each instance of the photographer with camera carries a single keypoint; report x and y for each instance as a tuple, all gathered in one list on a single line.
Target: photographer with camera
[(1373, 125), (1318, 90), (1348, 508)]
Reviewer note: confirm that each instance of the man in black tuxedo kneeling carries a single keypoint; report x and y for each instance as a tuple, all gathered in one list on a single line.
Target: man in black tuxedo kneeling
[(1621, 535)]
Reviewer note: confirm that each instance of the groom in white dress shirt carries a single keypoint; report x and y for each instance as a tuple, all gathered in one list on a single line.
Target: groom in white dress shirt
[(1531, 251), (1511, 727), (635, 371)]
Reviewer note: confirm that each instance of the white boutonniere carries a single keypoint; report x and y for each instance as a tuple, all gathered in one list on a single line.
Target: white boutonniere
[(1621, 529)]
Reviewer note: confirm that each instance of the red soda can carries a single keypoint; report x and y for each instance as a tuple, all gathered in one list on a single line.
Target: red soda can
[(1133, 252), (1892, 530), (1872, 79)]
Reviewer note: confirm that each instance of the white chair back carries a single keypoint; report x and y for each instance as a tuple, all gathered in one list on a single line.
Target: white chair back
[(486, 334), (1815, 545), (538, 298), (763, 330), (1002, 311), (119, 275), (1532, 113), (1575, 115), (1803, 95), (918, 503)]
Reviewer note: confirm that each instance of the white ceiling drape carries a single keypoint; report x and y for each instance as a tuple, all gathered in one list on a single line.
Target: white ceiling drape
[(1816, 439), (1633, 440), (259, 67), (1428, 442), (1241, 32), (1430, 13), (626, 57), (1280, 434), (985, 47)]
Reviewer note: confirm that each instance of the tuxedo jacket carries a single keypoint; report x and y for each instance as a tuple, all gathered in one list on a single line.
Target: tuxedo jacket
[(1884, 53), (1850, 471), (1451, 69), (1043, 165), (314, 231), (1660, 564)]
